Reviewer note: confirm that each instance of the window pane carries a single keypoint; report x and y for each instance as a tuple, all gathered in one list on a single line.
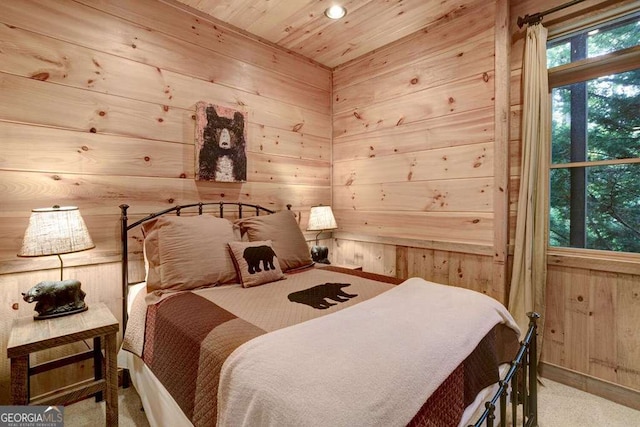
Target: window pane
[(613, 208), (560, 207), (610, 105), (561, 125), (614, 116), (613, 38), (600, 40), (558, 54)]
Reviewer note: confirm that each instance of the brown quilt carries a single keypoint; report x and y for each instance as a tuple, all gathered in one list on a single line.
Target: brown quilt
[(186, 352), (188, 337)]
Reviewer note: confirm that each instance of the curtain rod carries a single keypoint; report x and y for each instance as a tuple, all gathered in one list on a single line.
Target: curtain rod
[(537, 17)]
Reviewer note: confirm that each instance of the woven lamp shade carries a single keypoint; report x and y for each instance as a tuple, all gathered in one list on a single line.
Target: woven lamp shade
[(54, 231), (321, 218)]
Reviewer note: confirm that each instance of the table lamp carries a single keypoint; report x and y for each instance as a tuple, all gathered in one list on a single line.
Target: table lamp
[(321, 218), (55, 231)]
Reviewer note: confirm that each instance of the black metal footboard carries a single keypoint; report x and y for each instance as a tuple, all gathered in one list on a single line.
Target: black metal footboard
[(522, 376)]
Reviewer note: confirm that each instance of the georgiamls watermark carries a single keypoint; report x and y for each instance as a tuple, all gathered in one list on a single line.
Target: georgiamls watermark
[(31, 416)]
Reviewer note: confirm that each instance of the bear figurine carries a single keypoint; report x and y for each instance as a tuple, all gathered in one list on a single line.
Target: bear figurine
[(56, 298)]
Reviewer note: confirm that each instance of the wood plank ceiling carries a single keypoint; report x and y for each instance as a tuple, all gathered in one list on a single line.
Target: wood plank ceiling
[(302, 27)]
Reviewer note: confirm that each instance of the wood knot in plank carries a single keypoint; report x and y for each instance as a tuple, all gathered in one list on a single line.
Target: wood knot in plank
[(40, 76), (297, 127)]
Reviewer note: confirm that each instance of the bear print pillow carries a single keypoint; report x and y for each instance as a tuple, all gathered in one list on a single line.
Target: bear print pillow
[(256, 262)]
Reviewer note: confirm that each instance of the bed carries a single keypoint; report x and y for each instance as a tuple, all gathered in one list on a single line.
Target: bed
[(235, 326)]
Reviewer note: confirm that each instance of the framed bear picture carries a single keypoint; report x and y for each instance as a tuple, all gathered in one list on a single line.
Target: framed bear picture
[(221, 136)]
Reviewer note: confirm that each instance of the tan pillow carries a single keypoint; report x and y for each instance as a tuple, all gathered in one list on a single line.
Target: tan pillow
[(151, 255), (283, 230), (188, 252), (256, 262)]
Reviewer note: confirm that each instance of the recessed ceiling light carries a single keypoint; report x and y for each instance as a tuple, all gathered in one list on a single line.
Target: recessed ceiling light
[(335, 12)]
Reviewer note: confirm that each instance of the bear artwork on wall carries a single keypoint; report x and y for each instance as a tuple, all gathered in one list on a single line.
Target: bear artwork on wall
[(220, 144)]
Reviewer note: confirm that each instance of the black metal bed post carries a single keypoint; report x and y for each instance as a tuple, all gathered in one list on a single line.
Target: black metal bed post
[(125, 279), (503, 403), (491, 417), (524, 387), (125, 263), (514, 396), (533, 369)]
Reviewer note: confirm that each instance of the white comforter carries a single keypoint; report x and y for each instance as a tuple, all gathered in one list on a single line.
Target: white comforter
[(364, 365)]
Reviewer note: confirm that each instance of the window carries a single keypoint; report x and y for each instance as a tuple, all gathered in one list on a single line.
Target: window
[(594, 77)]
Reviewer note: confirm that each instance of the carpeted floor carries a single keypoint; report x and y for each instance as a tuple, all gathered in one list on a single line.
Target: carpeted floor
[(560, 406)]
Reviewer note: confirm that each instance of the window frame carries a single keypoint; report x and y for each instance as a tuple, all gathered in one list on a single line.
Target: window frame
[(582, 71)]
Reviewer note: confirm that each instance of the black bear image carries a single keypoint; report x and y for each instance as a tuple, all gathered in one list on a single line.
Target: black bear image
[(317, 296), (56, 298), (222, 156), (254, 254)]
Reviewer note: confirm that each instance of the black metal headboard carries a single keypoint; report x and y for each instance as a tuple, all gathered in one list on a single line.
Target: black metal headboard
[(125, 227)]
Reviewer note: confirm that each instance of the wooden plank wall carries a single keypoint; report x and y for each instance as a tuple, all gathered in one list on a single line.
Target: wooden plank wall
[(415, 153), (593, 299), (97, 109)]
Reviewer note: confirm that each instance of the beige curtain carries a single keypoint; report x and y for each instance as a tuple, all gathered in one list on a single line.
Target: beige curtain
[(529, 276)]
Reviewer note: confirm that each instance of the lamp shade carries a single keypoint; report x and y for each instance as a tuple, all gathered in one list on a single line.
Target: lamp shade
[(54, 231), (321, 218)]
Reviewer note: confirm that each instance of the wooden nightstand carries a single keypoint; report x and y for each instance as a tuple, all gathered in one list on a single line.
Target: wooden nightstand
[(29, 335), (349, 266)]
